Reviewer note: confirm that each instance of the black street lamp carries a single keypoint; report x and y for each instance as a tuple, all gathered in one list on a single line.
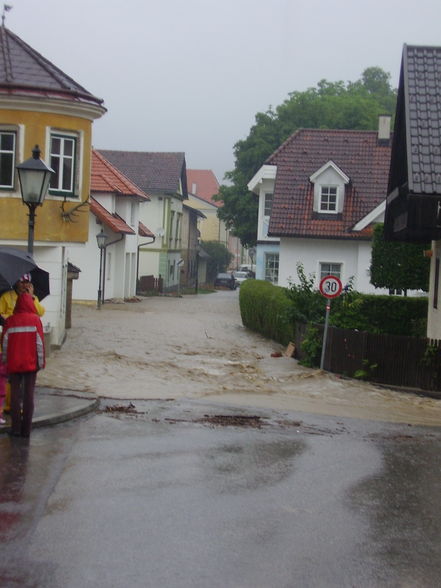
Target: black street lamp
[(101, 240), (34, 176)]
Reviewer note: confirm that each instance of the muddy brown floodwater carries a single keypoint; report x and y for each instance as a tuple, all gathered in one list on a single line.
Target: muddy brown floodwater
[(196, 347)]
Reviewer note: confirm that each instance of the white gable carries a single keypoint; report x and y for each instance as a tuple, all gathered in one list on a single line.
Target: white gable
[(374, 216), (266, 172), (332, 171)]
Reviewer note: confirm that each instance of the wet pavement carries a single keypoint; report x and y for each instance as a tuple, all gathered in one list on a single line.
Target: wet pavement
[(162, 485), (181, 494)]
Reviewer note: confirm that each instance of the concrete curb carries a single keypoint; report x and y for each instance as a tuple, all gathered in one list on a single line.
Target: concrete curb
[(54, 406), (66, 415)]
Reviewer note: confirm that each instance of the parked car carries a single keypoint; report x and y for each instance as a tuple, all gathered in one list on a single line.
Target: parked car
[(225, 281), (241, 276)]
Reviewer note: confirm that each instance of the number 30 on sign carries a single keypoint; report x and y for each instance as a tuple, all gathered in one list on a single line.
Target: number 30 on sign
[(330, 286)]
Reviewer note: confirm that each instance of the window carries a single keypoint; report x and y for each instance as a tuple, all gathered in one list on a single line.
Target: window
[(170, 234), (330, 269), (178, 230), (272, 267), (133, 206), (63, 152), (436, 284), (268, 205), (328, 199), (7, 159)]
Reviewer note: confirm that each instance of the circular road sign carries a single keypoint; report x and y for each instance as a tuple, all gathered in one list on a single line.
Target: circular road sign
[(330, 286)]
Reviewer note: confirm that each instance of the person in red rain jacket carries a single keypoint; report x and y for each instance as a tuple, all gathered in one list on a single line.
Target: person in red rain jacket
[(23, 354)]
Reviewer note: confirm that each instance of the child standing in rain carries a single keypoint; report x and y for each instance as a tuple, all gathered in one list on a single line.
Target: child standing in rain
[(23, 353)]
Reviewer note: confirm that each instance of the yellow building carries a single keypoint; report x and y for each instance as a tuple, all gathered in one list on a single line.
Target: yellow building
[(41, 105)]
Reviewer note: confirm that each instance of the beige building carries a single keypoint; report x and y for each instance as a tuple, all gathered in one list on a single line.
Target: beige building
[(202, 186)]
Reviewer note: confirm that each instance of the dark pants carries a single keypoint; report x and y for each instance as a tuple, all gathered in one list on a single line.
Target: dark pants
[(22, 402)]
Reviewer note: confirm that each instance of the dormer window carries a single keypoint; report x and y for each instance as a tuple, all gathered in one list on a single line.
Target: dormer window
[(328, 198), (329, 189)]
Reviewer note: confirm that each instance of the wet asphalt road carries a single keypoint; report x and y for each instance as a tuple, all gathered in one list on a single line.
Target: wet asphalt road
[(165, 497)]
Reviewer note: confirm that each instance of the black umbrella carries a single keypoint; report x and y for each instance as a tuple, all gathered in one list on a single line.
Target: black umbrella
[(40, 281), (13, 264)]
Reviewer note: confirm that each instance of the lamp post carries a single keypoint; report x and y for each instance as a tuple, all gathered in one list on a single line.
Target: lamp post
[(34, 176), (101, 239)]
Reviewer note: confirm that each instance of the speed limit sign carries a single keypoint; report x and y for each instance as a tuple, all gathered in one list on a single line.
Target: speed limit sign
[(330, 286)]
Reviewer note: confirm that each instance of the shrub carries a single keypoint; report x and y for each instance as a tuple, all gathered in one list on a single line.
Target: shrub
[(392, 315), (311, 347), (264, 308)]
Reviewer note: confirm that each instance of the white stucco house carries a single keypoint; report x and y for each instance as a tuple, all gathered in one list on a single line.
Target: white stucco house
[(320, 194), (161, 175), (115, 204)]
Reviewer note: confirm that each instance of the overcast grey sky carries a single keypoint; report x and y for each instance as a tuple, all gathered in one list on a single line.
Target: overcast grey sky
[(190, 75)]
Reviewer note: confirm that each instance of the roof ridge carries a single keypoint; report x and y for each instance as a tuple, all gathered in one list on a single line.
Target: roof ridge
[(143, 152), (323, 131), (67, 83), (6, 54), (128, 183), (47, 65)]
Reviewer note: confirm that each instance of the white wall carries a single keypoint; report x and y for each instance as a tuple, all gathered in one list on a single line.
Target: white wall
[(119, 259), (53, 259), (354, 256), (434, 314)]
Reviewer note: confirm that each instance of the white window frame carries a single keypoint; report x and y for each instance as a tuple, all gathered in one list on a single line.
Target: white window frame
[(267, 204), (332, 270), (326, 197), (271, 273), (62, 157), (9, 152), (133, 206)]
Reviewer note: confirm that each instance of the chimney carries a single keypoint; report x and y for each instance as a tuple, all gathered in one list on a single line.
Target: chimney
[(384, 129)]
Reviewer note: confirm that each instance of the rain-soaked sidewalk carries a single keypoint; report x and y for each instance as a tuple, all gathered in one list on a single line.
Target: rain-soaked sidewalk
[(53, 406)]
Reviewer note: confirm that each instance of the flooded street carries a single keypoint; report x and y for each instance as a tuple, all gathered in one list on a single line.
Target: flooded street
[(195, 347), (247, 479)]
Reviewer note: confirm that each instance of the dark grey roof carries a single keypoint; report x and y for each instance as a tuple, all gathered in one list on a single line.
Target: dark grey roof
[(416, 148), (151, 171), (24, 70)]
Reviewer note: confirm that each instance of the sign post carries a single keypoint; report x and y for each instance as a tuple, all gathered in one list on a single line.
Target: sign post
[(330, 287)]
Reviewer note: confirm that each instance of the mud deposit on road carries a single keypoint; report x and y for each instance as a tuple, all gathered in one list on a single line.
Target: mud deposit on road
[(195, 347)]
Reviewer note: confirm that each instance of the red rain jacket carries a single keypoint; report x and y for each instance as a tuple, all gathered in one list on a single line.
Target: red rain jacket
[(23, 338)]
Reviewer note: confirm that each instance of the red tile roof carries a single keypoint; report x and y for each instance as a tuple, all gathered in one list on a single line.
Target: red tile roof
[(357, 153), (106, 178), (113, 221), (203, 183), (143, 231)]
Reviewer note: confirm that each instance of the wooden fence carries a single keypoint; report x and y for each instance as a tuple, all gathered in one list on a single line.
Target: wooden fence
[(410, 362), (150, 284)]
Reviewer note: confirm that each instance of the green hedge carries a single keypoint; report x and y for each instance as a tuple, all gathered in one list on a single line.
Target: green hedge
[(392, 315), (264, 308), (270, 310)]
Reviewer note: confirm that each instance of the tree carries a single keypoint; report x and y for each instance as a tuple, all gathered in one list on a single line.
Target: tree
[(330, 105), (220, 258), (397, 265)]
